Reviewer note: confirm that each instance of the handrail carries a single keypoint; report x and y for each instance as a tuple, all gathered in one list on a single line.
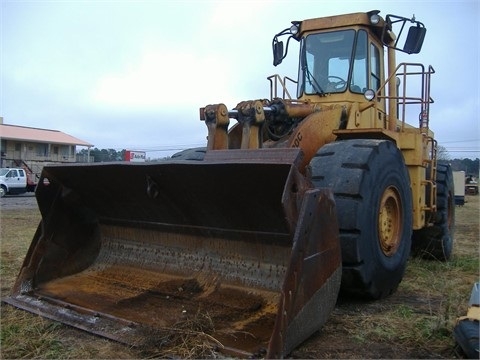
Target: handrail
[(404, 70), (274, 80)]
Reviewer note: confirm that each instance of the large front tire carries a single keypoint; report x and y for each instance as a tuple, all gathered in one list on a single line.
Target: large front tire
[(374, 208)]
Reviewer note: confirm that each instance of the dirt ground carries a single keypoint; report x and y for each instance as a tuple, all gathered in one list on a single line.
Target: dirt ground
[(415, 322)]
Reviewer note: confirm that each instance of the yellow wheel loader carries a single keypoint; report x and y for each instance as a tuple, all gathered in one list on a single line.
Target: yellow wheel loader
[(261, 229)]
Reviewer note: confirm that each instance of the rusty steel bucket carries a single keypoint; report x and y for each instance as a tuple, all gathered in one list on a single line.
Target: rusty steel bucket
[(241, 236)]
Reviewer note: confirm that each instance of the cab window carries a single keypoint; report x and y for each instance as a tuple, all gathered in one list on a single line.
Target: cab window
[(358, 83), (375, 75), (325, 62)]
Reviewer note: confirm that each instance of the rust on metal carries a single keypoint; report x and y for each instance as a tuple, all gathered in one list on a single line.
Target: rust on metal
[(124, 248)]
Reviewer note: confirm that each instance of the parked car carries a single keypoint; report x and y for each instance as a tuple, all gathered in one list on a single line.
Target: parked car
[(14, 181)]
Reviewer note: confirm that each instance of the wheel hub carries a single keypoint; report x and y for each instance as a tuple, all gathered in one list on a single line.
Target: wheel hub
[(390, 221)]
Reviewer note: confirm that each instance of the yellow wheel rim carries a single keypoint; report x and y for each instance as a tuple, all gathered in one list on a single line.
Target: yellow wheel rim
[(390, 221)]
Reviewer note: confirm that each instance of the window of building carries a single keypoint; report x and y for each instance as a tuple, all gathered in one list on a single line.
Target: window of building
[(42, 149)]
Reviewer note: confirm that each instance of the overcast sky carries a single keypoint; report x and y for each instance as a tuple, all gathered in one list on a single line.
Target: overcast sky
[(133, 74)]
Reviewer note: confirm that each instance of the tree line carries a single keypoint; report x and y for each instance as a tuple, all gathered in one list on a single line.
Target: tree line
[(471, 167), (101, 155)]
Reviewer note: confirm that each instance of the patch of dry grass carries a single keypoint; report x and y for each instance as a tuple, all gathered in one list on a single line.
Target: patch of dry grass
[(187, 339), (26, 336), (17, 228)]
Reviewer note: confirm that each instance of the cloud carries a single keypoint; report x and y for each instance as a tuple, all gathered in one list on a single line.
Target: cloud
[(159, 79), (456, 126), (126, 73)]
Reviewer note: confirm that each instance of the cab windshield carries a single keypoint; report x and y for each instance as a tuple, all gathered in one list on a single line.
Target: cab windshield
[(333, 62)]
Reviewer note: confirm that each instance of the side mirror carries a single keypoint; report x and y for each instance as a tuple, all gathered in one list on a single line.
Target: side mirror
[(393, 34), (277, 46), (413, 43), (277, 53)]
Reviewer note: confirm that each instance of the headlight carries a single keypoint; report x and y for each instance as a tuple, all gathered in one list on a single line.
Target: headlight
[(294, 29), (369, 94), (374, 19)]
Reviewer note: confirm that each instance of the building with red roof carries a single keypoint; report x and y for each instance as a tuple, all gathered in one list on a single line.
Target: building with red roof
[(23, 146)]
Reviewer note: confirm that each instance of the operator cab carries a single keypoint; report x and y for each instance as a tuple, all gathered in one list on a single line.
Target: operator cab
[(344, 54), (337, 61)]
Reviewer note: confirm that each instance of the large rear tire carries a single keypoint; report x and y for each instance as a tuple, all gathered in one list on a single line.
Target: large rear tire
[(374, 208), (436, 242)]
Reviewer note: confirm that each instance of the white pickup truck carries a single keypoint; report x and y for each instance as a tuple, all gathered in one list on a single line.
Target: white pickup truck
[(15, 181)]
